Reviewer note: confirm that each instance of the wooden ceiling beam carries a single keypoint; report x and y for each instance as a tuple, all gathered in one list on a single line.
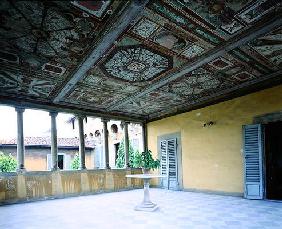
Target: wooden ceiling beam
[(254, 32)]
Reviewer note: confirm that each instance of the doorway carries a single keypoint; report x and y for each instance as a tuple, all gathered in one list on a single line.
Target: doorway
[(273, 160), (61, 161), (169, 151), (116, 147)]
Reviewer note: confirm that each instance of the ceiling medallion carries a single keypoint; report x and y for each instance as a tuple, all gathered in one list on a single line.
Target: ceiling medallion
[(136, 63), (136, 66)]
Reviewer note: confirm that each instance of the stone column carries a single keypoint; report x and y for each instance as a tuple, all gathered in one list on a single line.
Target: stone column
[(144, 136), (106, 143), (54, 144), (20, 139), (81, 141), (126, 145)]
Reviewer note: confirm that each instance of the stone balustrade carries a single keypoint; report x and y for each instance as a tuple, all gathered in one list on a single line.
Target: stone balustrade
[(30, 186)]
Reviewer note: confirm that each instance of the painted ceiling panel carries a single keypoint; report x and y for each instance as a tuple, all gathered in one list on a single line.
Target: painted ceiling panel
[(44, 43)]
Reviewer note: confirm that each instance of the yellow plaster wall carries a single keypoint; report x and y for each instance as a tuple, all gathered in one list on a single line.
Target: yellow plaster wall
[(212, 156)]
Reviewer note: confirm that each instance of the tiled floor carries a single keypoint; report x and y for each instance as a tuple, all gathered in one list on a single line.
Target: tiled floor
[(115, 210)]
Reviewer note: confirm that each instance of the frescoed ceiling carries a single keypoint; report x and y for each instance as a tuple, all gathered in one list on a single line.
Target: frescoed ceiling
[(140, 59)]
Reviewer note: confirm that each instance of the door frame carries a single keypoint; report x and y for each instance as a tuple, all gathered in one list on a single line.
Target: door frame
[(176, 135), (264, 120), (64, 162)]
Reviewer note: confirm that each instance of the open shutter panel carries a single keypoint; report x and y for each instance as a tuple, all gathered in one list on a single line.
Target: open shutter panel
[(164, 162), (253, 161), (163, 158), (172, 163)]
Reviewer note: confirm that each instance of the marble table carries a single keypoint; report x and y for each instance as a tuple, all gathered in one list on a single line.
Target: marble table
[(146, 204)]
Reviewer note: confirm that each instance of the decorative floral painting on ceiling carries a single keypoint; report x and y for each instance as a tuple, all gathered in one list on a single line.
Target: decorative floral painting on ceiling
[(168, 58)]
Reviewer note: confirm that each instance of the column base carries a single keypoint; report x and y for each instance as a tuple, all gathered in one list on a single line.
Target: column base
[(148, 207), (22, 170)]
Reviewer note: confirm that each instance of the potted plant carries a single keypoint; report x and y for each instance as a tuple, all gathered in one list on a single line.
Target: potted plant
[(146, 161)]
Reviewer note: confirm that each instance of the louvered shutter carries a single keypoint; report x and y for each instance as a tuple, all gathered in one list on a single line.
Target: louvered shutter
[(164, 163), (253, 143), (169, 164), (172, 164)]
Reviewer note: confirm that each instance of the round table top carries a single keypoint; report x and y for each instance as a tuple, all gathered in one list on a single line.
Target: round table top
[(145, 176)]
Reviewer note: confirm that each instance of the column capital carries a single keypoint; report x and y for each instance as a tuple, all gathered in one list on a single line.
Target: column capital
[(53, 113), (105, 120), (125, 122), (19, 109), (80, 116)]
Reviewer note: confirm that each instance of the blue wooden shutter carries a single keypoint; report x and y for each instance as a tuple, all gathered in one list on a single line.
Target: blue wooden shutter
[(253, 145), (164, 163), (169, 164), (172, 164)]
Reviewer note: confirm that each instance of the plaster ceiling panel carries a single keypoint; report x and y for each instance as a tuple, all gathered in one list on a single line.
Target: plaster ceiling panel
[(153, 102), (226, 18), (51, 37), (165, 34), (95, 8), (97, 99), (136, 63), (232, 70), (192, 25), (96, 79), (267, 49), (97, 90), (16, 83), (218, 77)]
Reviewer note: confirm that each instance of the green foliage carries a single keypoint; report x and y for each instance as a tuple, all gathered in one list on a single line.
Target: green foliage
[(121, 155), (75, 164), (7, 163), (145, 160)]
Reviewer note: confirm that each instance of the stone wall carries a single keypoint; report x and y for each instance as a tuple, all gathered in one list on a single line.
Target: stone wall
[(30, 186)]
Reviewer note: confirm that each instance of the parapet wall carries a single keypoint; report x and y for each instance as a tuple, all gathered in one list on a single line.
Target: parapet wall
[(30, 186)]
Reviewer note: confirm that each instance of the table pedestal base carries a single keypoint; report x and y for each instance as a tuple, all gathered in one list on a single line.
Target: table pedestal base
[(147, 207), (146, 204)]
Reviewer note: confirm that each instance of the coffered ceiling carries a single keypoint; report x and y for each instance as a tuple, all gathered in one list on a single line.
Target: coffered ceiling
[(137, 59)]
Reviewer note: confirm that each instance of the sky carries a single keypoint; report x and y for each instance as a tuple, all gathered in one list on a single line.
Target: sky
[(37, 123)]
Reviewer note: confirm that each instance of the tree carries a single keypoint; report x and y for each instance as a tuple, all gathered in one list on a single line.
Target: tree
[(121, 155), (75, 164), (7, 163)]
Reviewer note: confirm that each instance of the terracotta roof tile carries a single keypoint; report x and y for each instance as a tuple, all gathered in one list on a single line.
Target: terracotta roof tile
[(70, 142)]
